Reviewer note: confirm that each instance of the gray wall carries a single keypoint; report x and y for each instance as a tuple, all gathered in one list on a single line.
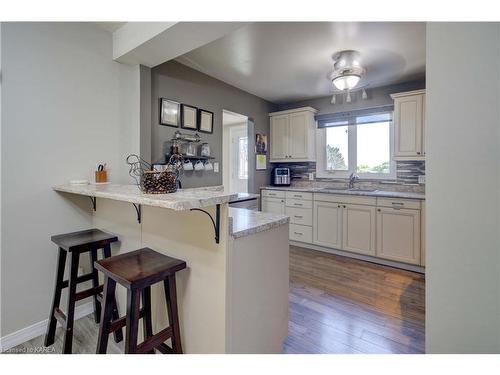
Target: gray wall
[(463, 184), (65, 106), (377, 97), (178, 82)]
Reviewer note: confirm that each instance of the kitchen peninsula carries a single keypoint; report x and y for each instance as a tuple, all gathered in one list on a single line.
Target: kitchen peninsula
[(233, 296)]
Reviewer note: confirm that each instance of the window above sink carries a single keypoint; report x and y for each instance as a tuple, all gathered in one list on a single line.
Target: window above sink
[(360, 143)]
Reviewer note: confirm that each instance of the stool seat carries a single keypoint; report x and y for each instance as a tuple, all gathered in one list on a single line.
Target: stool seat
[(84, 240), (140, 268)]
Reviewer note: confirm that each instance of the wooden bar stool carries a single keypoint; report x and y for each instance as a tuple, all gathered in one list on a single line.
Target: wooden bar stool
[(137, 271), (77, 243)]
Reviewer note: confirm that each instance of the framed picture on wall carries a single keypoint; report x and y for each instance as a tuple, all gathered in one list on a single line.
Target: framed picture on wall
[(205, 121), (169, 113), (260, 143), (189, 117)]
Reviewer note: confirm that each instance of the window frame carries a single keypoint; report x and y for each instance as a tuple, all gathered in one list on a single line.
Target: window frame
[(322, 172)]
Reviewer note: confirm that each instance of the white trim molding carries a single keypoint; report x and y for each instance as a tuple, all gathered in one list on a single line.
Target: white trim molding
[(25, 334)]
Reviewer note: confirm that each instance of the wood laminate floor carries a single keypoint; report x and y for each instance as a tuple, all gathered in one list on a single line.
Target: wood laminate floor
[(337, 305), (343, 305)]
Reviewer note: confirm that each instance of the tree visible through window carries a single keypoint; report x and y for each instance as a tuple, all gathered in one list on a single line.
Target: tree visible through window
[(361, 145)]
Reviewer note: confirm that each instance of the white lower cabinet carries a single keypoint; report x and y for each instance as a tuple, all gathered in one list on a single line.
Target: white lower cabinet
[(274, 205), (359, 228), (301, 233), (384, 228), (398, 234), (327, 224)]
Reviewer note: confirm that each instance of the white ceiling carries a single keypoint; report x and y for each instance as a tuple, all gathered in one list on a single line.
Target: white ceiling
[(288, 61), (110, 27)]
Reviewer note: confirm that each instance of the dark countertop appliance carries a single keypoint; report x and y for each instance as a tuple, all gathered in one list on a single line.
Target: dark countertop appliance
[(280, 176)]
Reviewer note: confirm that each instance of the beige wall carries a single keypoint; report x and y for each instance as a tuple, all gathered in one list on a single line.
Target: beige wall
[(463, 187), (66, 105)]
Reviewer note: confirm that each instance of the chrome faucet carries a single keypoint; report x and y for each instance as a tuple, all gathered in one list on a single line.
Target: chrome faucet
[(352, 179)]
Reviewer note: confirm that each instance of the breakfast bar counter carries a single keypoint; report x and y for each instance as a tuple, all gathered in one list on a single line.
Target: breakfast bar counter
[(233, 295)]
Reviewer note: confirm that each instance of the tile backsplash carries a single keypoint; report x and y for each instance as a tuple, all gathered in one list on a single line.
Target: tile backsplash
[(407, 173)]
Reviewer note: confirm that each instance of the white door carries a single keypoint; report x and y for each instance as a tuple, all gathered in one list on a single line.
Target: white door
[(273, 205), (327, 224), (238, 159), (279, 137), (298, 135), (359, 228), (398, 235), (408, 121)]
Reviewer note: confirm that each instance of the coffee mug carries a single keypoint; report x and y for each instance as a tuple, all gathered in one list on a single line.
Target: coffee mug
[(208, 166), (188, 166), (199, 166)]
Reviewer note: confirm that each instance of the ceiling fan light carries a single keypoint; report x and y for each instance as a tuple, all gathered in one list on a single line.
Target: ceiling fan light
[(346, 81)]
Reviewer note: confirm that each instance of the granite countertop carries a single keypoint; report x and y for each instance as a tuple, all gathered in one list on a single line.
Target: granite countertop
[(183, 199), (246, 222), (244, 197), (375, 193)]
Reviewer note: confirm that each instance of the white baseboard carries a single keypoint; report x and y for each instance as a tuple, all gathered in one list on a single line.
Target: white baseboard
[(25, 334)]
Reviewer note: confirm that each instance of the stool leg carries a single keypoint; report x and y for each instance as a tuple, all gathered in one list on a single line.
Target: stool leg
[(132, 321), (118, 335), (95, 284), (106, 315), (147, 324), (70, 313), (173, 315), (51, 328)]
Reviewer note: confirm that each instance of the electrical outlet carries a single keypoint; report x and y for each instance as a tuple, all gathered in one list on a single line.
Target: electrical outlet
[(216, 167), (421, 179), (311, 176)]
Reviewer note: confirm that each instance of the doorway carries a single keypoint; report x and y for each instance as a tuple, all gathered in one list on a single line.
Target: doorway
[(235, 145)]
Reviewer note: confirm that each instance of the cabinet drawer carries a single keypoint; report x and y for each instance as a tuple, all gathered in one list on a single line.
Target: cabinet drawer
[(302, 216), (298, 203), (300, 233), (347, 199), (298, 195), (399, 203), (273, 193)]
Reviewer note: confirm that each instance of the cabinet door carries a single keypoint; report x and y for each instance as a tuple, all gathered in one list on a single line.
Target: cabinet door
[(274, 205), (408, 119), (423, 124), (359, 228), (327, 224), (398, 235), (422, 236), (279, 137), (298, 137)]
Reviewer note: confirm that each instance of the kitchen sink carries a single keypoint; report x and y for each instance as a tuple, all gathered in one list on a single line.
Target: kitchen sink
[(353, 190)]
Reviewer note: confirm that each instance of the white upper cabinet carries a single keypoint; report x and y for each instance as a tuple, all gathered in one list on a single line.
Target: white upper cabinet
[(409, 119), (279, 136), (293, 135)]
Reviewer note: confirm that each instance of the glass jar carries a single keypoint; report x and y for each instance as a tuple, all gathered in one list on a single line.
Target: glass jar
[(190, 149), (205, 149)]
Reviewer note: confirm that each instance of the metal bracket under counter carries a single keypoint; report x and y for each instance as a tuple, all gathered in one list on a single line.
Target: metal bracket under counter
[(137, 207), (215, 223)]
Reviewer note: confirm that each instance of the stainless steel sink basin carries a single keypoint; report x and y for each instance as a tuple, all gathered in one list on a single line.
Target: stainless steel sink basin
[(354, 190)]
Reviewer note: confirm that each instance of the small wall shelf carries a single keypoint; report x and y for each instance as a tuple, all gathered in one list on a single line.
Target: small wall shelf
[(184, 156)]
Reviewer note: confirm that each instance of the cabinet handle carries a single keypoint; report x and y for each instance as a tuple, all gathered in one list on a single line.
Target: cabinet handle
[(418, 152), (298, 233), (378, 209), (298, 204), (297, 196), (298, 216), (397, 203), (344, 206), (338, 206)]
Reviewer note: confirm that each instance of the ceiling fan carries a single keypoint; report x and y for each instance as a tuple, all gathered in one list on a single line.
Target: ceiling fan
[(347, 72)]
